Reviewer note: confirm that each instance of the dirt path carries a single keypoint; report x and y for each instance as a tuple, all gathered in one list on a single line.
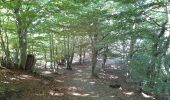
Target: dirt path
[(71, 85)]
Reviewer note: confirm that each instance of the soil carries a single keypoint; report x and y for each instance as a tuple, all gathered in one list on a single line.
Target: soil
[(75, 84)]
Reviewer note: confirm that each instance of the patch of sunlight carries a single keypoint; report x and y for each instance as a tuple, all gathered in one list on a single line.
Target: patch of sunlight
[(26, 76), (127, 74), (112, 96), (78, 94), (120, 88), (113, 77), (147, 96), (5, 82), (102, 70), (115, 67), (92, 83), (60, 81), (73, 88), (102, 73), (128, 93), (55, 94), (80, 79), (99, 59), (79, 71), (23, 77), (46, 72), (13, 78)]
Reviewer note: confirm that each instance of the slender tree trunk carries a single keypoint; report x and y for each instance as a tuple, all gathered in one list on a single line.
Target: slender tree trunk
[(132, 46), (105, 56), (94, 53), (5, 48), (80, 55), (94, 62), (68, 53), (84, 54), (45, 57), (56, 59), (51, 52), (123, 51), (16, 60)]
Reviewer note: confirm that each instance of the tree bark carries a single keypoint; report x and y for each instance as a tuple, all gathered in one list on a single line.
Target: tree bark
[(80, 54), (94, 62), (23, 47), (105, 56), (94, 53), (22, 35)]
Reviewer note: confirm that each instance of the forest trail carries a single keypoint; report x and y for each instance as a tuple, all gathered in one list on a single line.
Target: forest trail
[(76, 84)]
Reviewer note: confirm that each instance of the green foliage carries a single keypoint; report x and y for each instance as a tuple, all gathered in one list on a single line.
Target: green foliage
[(139, 64), (111, 22)]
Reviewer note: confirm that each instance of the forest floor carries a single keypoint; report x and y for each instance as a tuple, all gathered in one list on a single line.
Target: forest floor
[(76, 84)]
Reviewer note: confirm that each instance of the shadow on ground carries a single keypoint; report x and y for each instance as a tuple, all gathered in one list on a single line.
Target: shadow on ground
[(76, 84)]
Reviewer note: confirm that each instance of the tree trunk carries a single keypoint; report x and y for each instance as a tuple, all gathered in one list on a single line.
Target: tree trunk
[(22, 35), (23, 48), (51, 50), (94, 62), (30, 62), (155, 65), (94, 53), (16, 60), (45, 57), (5, 47), (80, 55), (84, 54), (132, 46), (105, 56)]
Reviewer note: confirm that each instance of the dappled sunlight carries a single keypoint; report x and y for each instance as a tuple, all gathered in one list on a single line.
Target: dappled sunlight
[(115, 67), (46, 72), (60, 81), (53, 93), (128, 93), (23, 77), (76, 84), (73, 88), (113, 77), (5, 82), (92, 83), (107, 76), (79, 94), (78, 74), (13, 79), (26, 76), (80, 71), (80, 79), (99, 59), (120, 88), (147, 96)]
